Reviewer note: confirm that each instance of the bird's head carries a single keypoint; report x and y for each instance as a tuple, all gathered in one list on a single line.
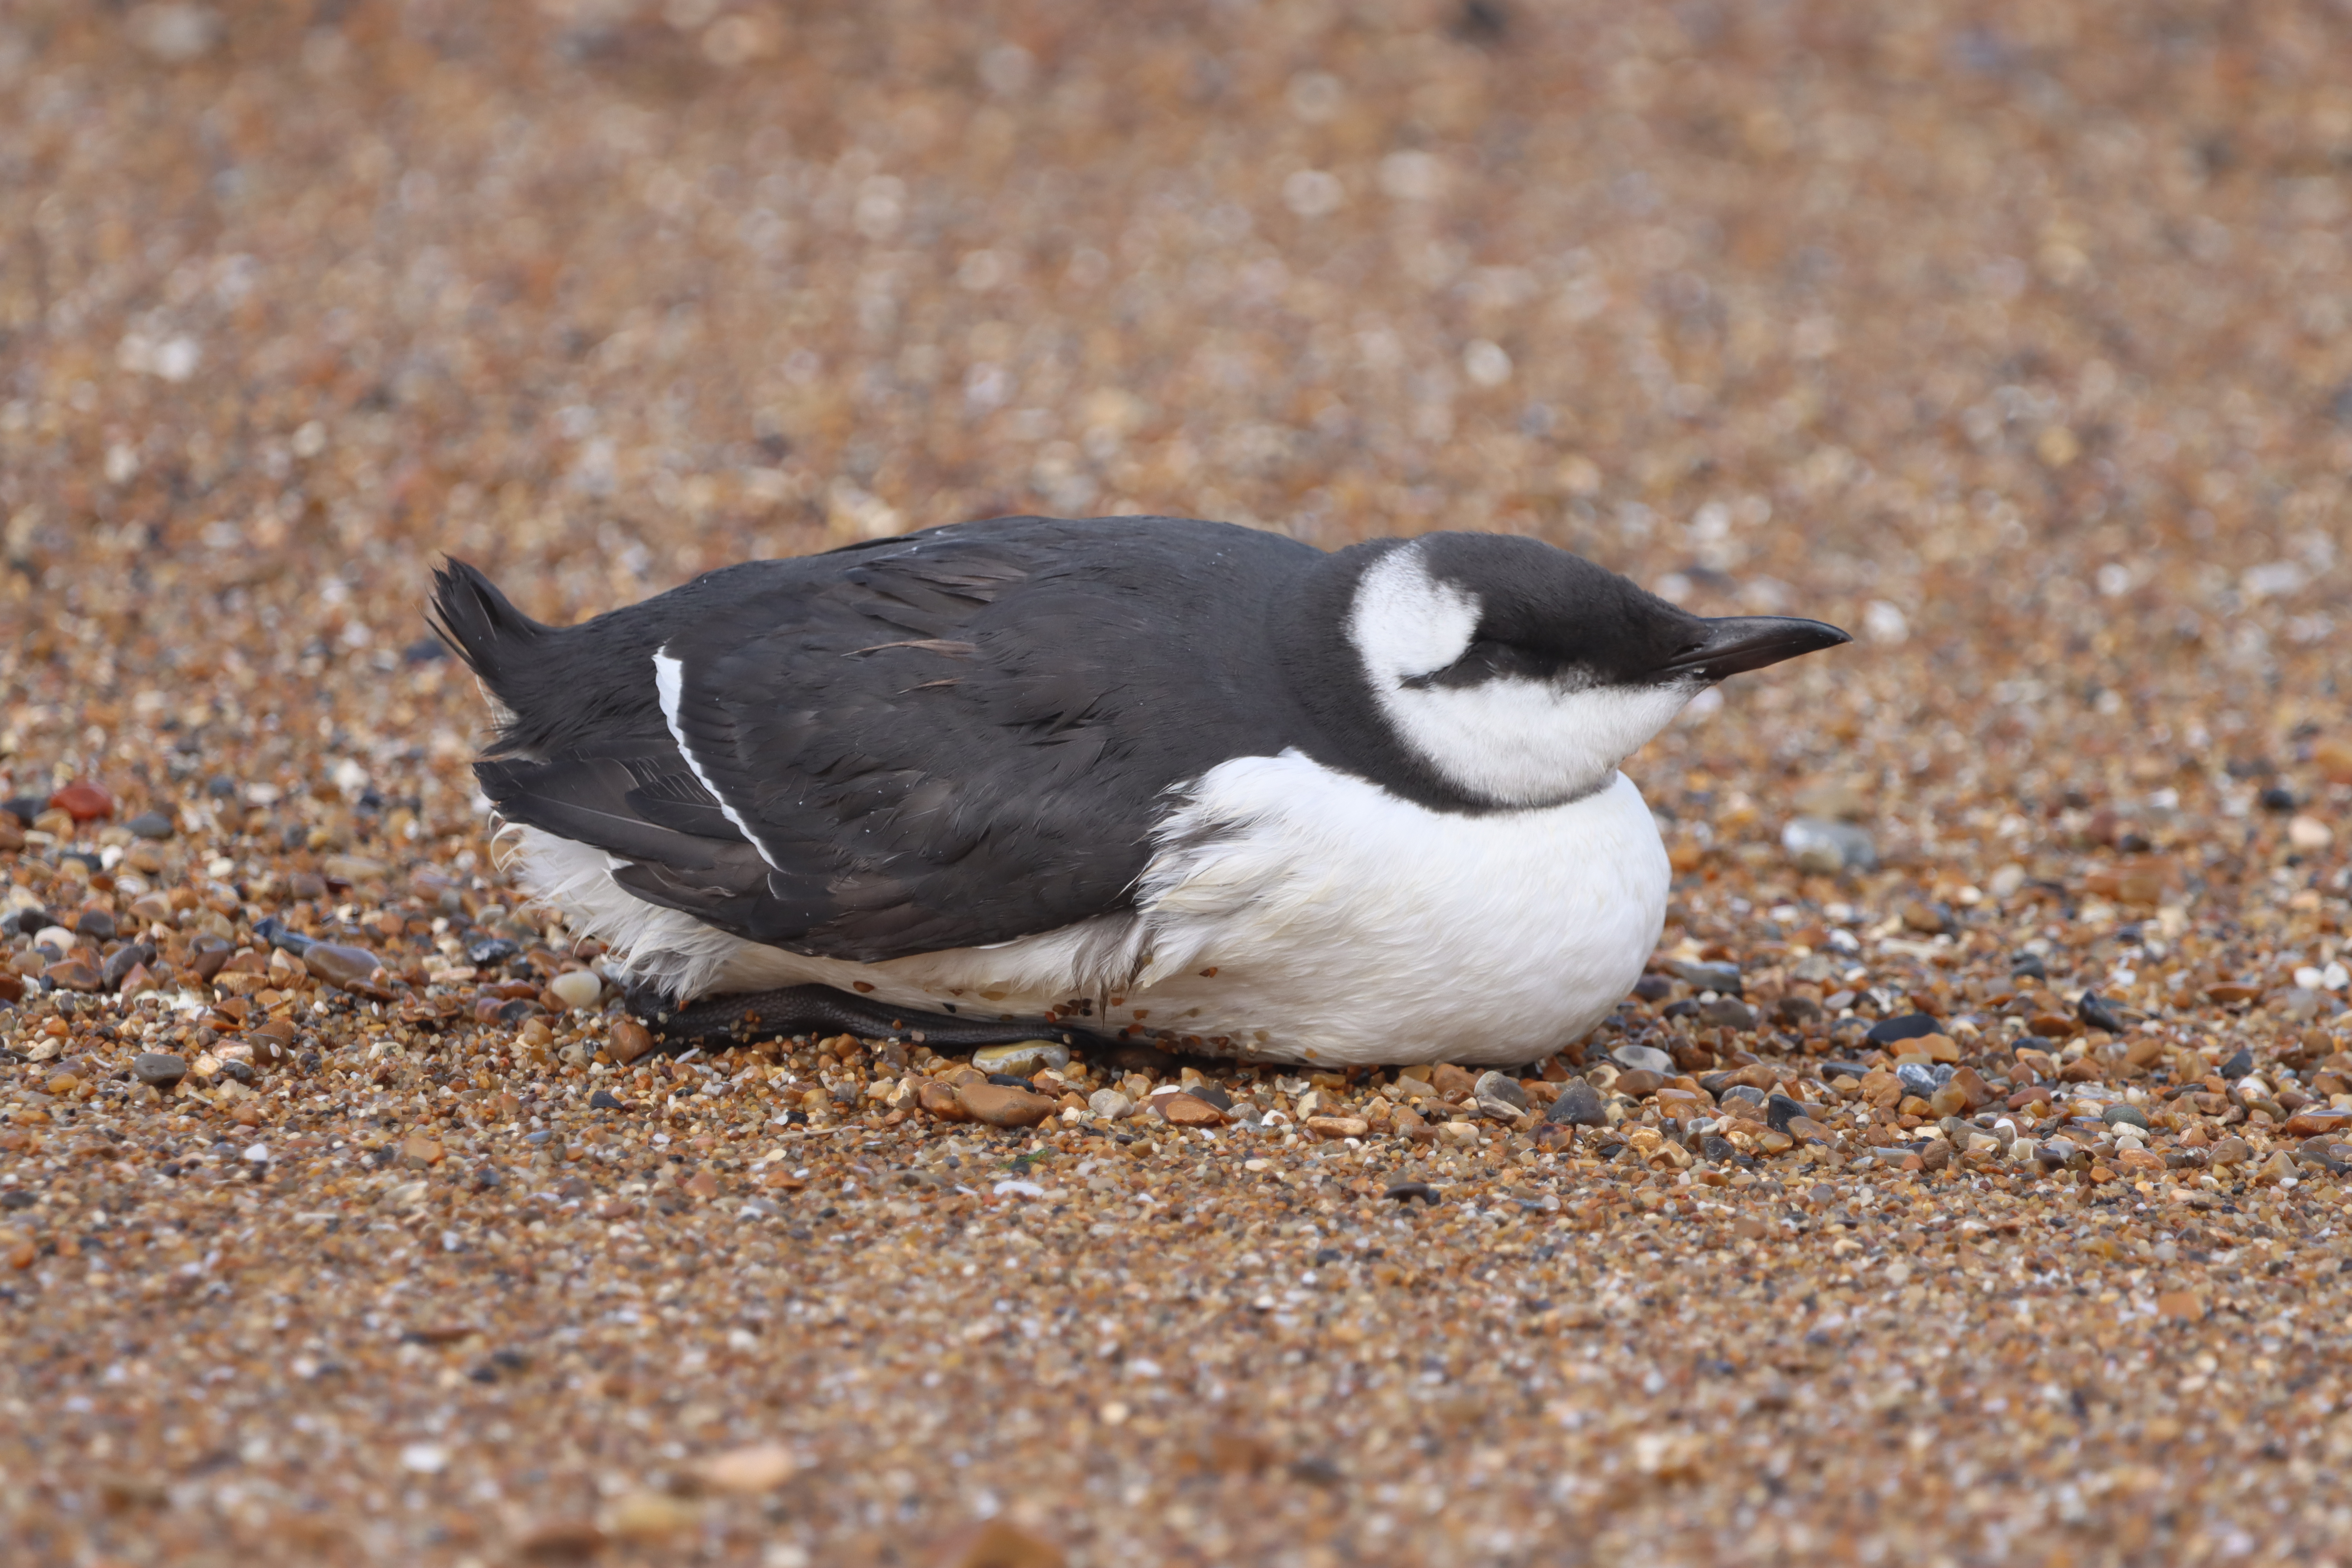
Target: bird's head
[(1519, 675)]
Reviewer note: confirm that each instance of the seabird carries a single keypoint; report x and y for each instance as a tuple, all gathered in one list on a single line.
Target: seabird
[(1145, 778)]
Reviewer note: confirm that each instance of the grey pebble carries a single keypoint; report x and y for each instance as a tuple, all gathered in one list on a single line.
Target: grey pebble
[(1579, 1105), (151, 825), (1726, 1012), (1826, 848), (1642, 1058), (159, 1068), (2124, 1116), (1717, 977), (1500, 1096)]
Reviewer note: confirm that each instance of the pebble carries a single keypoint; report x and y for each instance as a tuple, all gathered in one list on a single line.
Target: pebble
[(158, 1068), (2124, 1116), (1023, 1058), (577, 989), (354, 969), (1780, 1110), (1185, 1111), (627, 1040), (1723, 978), (750, 1471), (1579, 1105), (1726, 1012), (2097, 1013), (998, 1106), (1337, 1126), (152, 824), (1500, 1096), (1110, 1105), (83, 801), (1825, 847), (1644, 1059), (1902, 1027)]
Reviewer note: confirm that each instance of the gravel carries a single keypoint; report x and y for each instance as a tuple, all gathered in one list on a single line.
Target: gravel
[(2014, 342)]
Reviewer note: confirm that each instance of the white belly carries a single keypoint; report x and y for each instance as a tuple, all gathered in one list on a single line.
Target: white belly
[(1295, 914)]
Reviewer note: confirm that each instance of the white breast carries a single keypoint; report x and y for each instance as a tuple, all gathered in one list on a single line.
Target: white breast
[(1295, 914)]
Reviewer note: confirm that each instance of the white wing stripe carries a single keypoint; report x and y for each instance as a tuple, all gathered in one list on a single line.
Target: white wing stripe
[(669, 682)]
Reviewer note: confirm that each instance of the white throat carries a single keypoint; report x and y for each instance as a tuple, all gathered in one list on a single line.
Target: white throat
[(1508, 741)]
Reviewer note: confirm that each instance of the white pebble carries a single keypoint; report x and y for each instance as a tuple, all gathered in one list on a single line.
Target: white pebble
[(577, 989)]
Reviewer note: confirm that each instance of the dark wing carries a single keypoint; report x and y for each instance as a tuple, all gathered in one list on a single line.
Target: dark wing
[(950, 740)]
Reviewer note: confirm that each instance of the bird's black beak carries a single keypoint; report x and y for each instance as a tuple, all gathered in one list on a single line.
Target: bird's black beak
[(1738, 643)]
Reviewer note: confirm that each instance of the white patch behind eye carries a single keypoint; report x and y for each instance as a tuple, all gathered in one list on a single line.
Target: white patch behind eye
[(1406, 623), (1506, 741)]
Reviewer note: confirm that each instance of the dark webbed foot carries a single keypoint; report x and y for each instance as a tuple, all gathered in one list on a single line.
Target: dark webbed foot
[(724, 1021)]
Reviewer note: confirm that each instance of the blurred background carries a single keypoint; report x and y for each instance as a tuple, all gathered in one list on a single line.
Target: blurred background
[(2012, 337)]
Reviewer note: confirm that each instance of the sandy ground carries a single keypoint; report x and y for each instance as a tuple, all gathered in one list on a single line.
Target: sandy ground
[(2013, 338)]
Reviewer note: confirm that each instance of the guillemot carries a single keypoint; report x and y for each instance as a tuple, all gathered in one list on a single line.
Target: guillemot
[(1139, 777)]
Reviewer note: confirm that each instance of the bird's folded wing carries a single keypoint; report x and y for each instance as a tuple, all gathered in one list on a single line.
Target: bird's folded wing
[(924, 750)]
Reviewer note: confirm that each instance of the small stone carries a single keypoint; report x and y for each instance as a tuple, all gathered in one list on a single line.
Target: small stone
[(2230, 993), (1780, 1110), (63, 1083), (1337, 1126), (560, 1541), (417, 1152), (2124, 1116), (1022, 1060), (2308, 834), (1722, 978), (83, 801), (1902, 1027), (1974, 1091), (72, 974), (603, 1100), (490, 952), (650, 1519), (352, 969), (125, 959), (1919, 1079), (1796, 1009), (998, 1106), (1210, 1092), (1644, 1059), (1500, 1096), (2312, 1122), (748, 1471), (1579, 1105), (577, 989), (152, 824), (2232, 1151), (1826, 848), (628, 1040), (159, 1068), (1452, 1083), (938, 1100), (1726, 1012), (1110, 1105), (2097, 1013), (1000, 1543), (1638, 1085), (1185, 1110), (2239, 1066), (96, 925)]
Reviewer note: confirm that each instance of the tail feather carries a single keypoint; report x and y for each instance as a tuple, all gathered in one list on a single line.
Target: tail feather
[(481, 625)]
